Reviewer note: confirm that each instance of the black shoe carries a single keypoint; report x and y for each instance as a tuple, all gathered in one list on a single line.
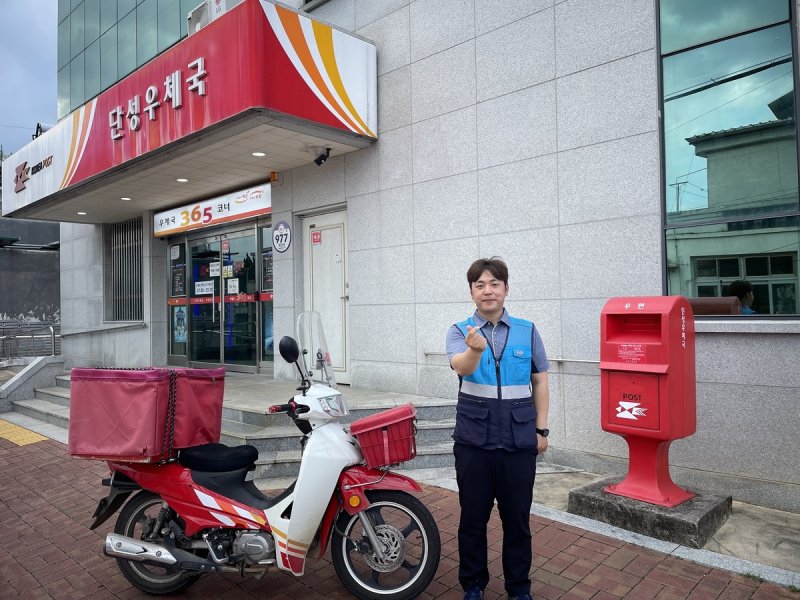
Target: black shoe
[(473, 593), (525, 596)]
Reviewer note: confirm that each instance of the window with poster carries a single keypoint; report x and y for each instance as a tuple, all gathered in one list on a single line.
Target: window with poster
[(177, 299), (267, 337)]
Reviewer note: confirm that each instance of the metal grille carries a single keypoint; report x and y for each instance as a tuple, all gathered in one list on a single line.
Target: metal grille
[(124, 274)]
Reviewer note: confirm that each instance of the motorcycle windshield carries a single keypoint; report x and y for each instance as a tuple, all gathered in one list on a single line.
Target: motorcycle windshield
[(314, 350)]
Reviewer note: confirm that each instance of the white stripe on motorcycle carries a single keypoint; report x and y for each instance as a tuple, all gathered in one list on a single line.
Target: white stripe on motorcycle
[(223, 519), (244, 513), (207, 500)]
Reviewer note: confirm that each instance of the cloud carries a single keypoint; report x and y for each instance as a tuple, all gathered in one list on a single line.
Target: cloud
[(28, 44)]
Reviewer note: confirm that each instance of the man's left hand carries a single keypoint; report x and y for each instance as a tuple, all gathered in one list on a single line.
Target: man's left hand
[(541, 443)]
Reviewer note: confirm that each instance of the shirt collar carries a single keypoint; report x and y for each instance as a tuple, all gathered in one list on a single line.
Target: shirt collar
[(480, 321)]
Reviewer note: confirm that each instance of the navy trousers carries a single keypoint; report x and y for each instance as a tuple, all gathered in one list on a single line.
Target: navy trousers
[(483, 476)]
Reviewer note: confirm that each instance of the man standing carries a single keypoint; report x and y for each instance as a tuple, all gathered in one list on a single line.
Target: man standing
[(501, 425)]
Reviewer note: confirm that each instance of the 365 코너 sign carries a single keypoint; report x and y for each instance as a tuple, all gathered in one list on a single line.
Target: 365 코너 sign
[(230, 207)]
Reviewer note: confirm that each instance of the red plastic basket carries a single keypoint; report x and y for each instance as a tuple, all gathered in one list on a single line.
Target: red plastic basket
[(388, 437)]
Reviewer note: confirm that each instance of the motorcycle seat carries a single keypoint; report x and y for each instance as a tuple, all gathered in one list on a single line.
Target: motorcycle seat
[(217, 458)]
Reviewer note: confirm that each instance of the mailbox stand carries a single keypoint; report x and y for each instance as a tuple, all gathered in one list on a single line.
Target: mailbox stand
[(647, 379)]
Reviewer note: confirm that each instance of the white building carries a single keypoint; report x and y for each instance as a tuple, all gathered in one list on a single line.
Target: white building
[(553, 134)]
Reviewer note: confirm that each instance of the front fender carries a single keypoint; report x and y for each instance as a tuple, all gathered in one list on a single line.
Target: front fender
[(353, 483)]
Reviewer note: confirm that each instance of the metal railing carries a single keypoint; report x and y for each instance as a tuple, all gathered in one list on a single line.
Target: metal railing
[(21, 339), (140, 325)]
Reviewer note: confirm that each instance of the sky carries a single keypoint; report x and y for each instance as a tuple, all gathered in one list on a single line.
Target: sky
[(28, 45)]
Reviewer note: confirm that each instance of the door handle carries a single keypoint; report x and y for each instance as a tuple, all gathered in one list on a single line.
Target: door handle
[(345, 297)]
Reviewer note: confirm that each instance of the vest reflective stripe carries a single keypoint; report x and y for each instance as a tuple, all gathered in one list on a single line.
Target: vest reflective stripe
[(508, 392)]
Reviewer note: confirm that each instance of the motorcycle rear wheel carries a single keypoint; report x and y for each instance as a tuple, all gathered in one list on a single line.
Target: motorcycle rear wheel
[(411, 543), (132, 522)]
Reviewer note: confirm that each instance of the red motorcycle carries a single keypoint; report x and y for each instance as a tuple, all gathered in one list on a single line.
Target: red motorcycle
[(199, 514)]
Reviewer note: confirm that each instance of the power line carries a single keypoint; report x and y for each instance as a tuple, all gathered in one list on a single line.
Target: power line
[(17, 126), (726, 103)]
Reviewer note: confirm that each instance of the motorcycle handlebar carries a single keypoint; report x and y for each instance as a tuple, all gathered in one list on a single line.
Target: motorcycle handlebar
[(282, 408), (290, 407)]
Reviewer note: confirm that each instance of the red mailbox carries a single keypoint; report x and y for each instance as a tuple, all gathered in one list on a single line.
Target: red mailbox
[(647, 382)]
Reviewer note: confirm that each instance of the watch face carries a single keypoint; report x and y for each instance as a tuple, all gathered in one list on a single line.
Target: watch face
[(543, 432)]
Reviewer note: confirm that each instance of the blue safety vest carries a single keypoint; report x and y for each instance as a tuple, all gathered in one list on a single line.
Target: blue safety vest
[(495, 407)]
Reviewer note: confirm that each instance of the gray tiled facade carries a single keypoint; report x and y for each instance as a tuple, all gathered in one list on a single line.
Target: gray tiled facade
[(529, 129)]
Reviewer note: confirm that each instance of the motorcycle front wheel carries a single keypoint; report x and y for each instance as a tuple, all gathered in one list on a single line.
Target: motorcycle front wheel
[(411, 546), (138, 519)]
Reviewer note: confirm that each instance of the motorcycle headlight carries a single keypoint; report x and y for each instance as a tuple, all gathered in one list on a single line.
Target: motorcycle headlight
[(333, 405)]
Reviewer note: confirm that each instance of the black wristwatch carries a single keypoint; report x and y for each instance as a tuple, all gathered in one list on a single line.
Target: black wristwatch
[(543, 432)]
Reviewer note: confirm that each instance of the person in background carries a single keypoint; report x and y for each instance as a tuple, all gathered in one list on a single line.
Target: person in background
[(744, 291), (501, 425)]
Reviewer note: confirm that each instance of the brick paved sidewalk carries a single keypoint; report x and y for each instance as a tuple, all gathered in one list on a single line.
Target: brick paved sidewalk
[(47, 499)]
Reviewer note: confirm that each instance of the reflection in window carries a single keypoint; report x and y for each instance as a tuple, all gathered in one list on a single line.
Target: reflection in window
[(92, 70), (76, 78), (686, 23), (703, 260), (64, 43), (108, 58), (169, 23), (730, 150), (126, 44), (146, 31), (130, 33), (729, 130), (76, 32), (63, 91)]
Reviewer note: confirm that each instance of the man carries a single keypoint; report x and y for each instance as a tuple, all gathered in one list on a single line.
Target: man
[(501, 425), (744, 291)]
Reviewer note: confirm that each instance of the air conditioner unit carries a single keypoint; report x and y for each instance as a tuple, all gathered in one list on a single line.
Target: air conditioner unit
[(198, 17), (206, 12)]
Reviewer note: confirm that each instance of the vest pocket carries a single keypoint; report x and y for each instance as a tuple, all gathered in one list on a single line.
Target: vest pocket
[(519, 364), (472, 422), (523, 425)]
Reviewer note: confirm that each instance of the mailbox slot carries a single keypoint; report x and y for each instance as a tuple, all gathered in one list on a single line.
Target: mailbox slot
[(634, 328)]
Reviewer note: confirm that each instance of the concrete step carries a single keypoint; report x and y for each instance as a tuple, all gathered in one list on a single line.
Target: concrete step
[(47, 412), (264, 439), (56, 395), (276, 438), (63, 381), (431, 410), (286, 463)]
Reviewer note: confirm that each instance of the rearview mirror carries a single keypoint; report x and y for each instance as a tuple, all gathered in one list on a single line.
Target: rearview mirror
[(289, 349)]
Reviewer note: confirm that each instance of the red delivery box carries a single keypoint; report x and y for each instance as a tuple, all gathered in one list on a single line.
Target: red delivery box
[(198, 406), (124, 415)]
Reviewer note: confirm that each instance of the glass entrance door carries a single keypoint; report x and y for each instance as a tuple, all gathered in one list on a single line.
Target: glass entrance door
[(223, 326)]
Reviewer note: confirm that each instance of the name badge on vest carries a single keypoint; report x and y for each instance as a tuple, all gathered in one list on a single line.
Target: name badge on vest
[(519, 353)]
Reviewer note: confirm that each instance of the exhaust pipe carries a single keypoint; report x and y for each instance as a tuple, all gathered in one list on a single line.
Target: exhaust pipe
[(127, 548), (120, 546)]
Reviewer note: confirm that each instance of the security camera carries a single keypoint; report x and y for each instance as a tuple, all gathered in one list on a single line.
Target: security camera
[(320, 160)]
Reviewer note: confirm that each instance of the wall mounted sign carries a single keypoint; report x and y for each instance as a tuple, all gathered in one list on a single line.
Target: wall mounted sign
[(224, 209), (281, 236), (203, 288), (301, 70)]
